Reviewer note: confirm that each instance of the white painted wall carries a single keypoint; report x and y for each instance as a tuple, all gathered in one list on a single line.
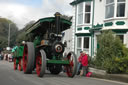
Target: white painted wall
[(99, 12), (126, 39)]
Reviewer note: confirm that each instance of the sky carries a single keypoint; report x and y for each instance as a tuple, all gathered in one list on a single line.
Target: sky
[(22, 12)]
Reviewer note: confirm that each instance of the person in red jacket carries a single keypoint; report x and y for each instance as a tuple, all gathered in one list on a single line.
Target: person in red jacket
[(84, 63), (79, 62)]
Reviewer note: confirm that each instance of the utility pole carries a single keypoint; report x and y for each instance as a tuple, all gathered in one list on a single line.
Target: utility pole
[(9, 34)]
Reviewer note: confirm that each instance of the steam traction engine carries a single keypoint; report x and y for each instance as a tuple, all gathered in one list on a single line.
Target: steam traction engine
[(45, 51)]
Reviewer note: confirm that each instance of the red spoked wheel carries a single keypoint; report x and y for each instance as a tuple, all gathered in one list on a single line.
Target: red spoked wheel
[(25, 58), (72, 67), (20, 64), (38, 64), (28, 57), (15, 66), (41, 63)]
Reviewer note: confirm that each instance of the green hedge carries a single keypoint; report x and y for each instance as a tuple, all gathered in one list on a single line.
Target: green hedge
[(112, 54)]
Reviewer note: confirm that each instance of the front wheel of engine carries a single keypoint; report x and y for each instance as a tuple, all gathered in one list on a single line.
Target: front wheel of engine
[(41, 63), (72, 67)]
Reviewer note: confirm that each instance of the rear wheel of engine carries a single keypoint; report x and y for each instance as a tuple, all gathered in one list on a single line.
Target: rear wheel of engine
[(28, 57), (41, 63), (72, 67)]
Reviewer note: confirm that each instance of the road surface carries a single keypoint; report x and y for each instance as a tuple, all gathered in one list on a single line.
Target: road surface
[(10, 77)]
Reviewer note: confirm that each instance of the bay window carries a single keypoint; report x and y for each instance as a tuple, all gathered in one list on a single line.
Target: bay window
[(84, 13), (87, 12), (114, 7), (109, 9), (120, 8), (86, 42), (80, 13), (83, 44)]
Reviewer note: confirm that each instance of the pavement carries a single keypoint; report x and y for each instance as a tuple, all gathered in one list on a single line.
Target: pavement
[(115, 77)]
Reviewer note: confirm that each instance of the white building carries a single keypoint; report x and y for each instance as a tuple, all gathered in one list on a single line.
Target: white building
[(92, 16)]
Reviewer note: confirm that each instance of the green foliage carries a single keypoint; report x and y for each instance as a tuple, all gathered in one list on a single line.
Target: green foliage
[(112, 54), (22, 35), (4, 28), (3, 42)]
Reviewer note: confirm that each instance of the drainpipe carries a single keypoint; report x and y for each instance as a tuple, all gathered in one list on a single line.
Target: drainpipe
[(75, 29), (92, 37)]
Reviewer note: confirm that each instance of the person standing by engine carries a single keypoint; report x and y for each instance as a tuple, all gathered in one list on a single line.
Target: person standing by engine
[(84, 63), (79, 62)]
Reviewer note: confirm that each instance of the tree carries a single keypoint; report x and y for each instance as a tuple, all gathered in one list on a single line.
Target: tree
[(4, 28), (22, 35)]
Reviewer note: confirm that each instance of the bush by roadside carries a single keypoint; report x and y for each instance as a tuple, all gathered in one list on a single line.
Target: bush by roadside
[(112, 54)]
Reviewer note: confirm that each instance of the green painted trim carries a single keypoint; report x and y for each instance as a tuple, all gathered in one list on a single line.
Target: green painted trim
[(124, 31), (120, 23), (98, 26), (79, 29), (83, 34), (58, 62), (36, 25), (108, 24), (52, 19), (87, 28), (78, 1), (47, 19)]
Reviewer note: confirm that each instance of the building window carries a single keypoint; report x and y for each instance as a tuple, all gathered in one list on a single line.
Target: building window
[(86, 42), (121, 37), (109, 9), (79, 40), (116, 8), (87, 12), (84, 13), (79, 45), (80, 13), (120, 8)]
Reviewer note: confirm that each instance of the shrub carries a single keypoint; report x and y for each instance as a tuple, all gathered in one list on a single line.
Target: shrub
[(112, 54)]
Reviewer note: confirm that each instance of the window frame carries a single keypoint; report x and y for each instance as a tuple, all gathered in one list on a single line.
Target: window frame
[(122, 36), (87, 12), (79, 13), (84, 42), (109, 4), (78, 49), (80, 43), (124, 2), (115, 9), (83, 13)]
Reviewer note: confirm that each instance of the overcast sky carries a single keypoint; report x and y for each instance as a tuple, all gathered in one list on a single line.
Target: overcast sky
[(24, 11)]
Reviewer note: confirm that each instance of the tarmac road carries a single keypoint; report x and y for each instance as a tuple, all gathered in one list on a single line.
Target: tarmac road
[(10, 77)]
